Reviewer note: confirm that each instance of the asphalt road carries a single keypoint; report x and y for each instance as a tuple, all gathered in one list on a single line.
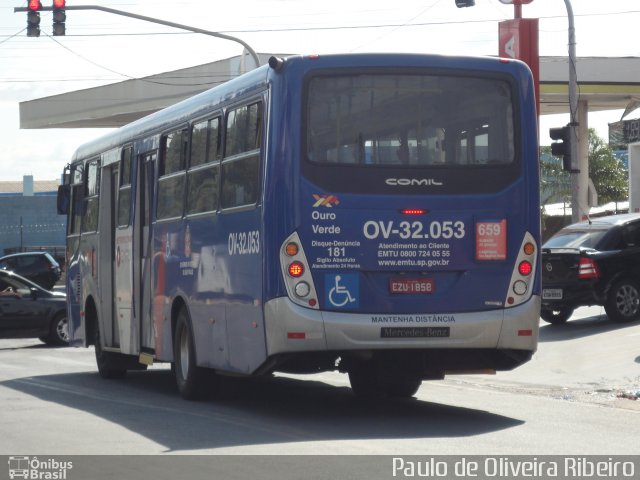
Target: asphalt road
[(568, 400)]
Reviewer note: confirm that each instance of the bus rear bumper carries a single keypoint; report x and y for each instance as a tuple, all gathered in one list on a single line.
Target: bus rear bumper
[(291, 328)]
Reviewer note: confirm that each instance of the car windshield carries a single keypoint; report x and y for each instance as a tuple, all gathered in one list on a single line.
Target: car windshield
[(575, 239)]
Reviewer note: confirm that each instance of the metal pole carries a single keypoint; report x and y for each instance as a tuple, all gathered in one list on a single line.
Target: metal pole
[(576, 207), (252, 52)]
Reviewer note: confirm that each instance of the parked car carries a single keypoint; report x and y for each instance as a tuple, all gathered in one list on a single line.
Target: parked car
[(595, 262), (39, 267), (28, 310)]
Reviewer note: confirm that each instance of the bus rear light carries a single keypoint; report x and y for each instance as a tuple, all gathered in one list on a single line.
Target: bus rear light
[(523, 276), (296, 269), (520, 287), (296, 335), (292, 249), (525, 268), (296, 273), (529, 248), (302, 289), (588, 268), (413, 211)]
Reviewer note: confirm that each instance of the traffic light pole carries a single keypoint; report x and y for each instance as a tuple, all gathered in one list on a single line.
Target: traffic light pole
[(253, 54), (578, 182)]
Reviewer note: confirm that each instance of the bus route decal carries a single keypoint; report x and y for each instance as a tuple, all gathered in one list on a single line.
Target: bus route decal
[(491, 240), (448, 229)]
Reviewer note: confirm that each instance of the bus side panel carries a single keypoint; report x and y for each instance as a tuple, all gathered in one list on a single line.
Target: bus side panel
[(240, 238), (88, 288), (215, 264), (76, 332)]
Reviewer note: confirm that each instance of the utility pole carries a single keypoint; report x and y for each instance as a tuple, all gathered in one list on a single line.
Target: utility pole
[(253, 54)]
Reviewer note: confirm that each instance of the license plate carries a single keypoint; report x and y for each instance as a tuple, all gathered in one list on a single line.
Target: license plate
[(414, 332), (412, 285), (552, 294)]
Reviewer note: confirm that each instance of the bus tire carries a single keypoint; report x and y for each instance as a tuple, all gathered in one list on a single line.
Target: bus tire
[(556, 316), (107, 361), (364, 381), (402, 388), (189, 377)]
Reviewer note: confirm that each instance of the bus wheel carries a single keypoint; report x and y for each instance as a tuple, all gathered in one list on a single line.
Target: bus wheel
[(557, 316), (107, 362), (189, 377), (364, 381), (402, 388)]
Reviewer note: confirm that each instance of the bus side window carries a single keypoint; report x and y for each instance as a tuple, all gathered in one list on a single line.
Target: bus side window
[(124, 194), (203, 176), (92, 197), (171, 182), (241, 162)]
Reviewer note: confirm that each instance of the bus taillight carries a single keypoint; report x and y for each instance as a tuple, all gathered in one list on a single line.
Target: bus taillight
[(413, 211), (520, 287), (296, 273), (525, 268), (292, 249), (296, 269)]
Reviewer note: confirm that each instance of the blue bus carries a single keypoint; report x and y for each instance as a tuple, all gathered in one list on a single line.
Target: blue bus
[(372, 214)]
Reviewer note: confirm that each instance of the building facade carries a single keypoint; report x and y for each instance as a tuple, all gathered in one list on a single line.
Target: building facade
[(29, 218)]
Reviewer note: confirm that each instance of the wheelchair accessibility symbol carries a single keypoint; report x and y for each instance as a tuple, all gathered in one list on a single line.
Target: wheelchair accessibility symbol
[(343, 290)]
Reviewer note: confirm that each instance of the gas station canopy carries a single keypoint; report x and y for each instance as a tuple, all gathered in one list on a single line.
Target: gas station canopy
[(604, 83)]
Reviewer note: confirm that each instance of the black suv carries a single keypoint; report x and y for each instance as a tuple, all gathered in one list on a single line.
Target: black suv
[(596, 262), (39, 267)]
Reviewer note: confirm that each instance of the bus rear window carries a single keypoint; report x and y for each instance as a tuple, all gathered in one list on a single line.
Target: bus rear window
[(409, 121)]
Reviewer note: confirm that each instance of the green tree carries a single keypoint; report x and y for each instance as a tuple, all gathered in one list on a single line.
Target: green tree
[(554, 181), (608, 174), (606, 171)]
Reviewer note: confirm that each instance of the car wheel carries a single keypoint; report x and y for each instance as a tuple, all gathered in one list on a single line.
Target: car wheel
[(556, 317), (623, 302), (59, 332)]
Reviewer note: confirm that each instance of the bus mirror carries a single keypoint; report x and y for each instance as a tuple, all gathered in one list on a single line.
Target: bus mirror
[(64, 192)]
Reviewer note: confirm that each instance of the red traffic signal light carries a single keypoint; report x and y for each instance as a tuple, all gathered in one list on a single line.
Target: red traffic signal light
[(59, 3), (33, 18)]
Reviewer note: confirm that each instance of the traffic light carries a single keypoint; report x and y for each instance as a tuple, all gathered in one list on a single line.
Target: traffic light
[(562, 148), (33, 18), (465, 3), (59, 17)]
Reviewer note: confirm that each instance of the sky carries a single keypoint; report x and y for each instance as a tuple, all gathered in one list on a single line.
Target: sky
[(101, 48)]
